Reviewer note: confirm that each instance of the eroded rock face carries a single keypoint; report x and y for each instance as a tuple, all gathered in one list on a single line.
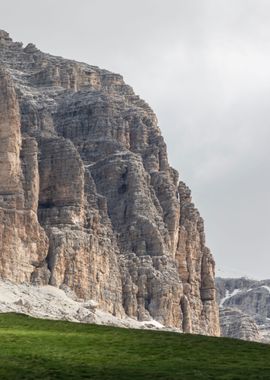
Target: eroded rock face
[(236, 324), (23, 242), (251, 299), (88, 198)]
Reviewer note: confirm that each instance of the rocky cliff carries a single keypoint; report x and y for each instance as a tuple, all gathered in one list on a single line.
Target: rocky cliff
[(88, 200), (244, 308)]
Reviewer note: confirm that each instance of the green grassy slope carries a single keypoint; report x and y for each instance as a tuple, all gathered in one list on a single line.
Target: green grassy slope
[(41, 349)]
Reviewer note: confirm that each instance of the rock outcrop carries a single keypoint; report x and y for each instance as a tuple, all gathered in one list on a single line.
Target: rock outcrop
[(88, 200), (236, 324), (250, 301)]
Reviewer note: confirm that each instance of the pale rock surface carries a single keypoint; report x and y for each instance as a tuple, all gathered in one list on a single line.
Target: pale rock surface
[(88, 200), (250, 299), (236, 324), (49, 302)]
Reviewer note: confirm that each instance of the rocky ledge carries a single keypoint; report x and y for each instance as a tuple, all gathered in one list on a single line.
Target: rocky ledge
[(88, 200)]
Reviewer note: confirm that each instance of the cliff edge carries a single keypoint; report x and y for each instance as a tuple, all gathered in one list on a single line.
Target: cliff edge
[(88, 200)]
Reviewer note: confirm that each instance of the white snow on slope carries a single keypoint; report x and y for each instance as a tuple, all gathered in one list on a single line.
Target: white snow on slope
[(228, 295), (266, 287)]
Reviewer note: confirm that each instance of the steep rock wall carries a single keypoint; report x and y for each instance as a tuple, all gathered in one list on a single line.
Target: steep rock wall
[(97, 207)]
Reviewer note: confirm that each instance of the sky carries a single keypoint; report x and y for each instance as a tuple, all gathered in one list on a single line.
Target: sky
[(204, 67)]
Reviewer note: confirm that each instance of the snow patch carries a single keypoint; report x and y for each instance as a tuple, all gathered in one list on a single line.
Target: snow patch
[(229, 295), (266, 287)]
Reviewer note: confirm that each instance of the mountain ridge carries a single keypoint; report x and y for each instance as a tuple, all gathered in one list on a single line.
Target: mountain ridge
[(88, 199)]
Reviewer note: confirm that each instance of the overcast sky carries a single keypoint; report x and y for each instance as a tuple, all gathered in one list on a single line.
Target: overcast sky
[(204, 67)]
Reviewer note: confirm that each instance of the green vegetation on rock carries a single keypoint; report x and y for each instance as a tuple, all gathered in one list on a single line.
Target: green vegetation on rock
[(41, 349)]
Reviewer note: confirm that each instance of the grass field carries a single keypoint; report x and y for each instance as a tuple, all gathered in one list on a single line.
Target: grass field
[(41, 349)]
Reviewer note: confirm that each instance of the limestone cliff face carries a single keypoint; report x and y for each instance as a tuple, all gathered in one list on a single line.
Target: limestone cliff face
[(88, 198), (236, 324), (249, 299), (23, 242)]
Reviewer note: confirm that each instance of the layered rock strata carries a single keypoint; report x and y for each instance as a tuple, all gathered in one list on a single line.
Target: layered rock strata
[(88, 199), (236, 324), (249, 302)]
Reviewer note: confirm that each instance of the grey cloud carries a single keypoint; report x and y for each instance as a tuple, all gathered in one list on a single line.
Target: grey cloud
[(203, 65)]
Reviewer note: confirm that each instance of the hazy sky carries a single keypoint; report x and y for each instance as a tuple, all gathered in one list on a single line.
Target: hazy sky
[(204, 67)]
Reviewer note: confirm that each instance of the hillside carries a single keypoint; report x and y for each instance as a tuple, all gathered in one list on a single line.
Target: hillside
[(35, 349)]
